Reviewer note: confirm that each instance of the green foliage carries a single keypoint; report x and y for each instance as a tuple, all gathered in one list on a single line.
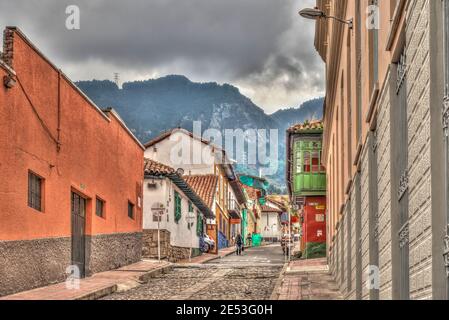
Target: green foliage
[(315, 250)]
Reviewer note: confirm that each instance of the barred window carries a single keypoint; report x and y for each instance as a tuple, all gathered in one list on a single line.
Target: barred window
[(130, 210), (99, 207), (35, 184)]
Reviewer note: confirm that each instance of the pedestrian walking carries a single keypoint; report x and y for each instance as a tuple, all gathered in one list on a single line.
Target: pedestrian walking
[(238, 244)]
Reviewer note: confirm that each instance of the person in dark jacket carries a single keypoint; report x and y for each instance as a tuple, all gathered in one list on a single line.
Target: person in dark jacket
[(238, 244)]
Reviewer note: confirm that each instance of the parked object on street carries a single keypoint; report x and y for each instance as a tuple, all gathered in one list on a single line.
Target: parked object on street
[(71, 192), (209, 244)]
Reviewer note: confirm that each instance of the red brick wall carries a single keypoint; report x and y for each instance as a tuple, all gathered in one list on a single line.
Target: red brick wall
[(98, 157)]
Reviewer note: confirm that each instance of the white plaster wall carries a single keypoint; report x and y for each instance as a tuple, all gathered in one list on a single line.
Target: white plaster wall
[(182, 151), (180, 235), (270, 220)]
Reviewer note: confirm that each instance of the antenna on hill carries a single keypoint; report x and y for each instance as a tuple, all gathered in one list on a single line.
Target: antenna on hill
[(117, 79)]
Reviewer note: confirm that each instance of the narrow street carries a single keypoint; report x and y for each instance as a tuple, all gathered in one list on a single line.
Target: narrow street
[(252, 276)]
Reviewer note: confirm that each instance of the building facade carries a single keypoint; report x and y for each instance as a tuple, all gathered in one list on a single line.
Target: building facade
[(166, 192), (201, 160), (270, 222), (306, 179), (385, 146), (70, 204)]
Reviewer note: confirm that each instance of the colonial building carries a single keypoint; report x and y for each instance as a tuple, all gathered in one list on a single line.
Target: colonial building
[(166, 192), (71, 191), (306, 181), (254, 212), (385, 146), (270, 222), (205, 162)]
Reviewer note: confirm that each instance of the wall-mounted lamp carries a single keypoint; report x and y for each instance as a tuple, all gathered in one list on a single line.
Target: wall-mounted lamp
[(9, 81), (315, 14)]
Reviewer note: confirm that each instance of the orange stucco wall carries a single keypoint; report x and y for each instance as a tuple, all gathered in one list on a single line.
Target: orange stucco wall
[(98, 157)]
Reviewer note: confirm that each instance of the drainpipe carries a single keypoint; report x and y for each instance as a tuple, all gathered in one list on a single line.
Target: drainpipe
[(58, 136)]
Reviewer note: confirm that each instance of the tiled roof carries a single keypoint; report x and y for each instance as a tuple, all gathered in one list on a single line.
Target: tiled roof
[(266, 208), (313, 126), (253, 194), (205, 186), (155, 168)]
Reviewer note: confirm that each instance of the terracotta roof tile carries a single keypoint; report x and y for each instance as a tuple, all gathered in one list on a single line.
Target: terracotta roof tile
[(155, 168), (266, 208), (205, 186), (253, 194), (307, 127)]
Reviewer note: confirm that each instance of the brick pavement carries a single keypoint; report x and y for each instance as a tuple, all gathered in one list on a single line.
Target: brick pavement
[(308, 280), (98, 285)]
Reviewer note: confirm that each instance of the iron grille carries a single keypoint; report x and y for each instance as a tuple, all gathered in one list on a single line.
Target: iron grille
[(34, 191)]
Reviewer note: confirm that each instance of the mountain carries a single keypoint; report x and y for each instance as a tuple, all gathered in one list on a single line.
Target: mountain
[(154, 106), (309, 110)]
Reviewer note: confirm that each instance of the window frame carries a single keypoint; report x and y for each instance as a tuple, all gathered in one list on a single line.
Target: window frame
[(38, 180), (103, 207), (131, 206)]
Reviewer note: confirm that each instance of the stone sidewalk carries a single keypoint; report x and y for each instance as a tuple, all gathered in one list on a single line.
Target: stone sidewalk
[(99, 285), (307, 280), (204, 258)]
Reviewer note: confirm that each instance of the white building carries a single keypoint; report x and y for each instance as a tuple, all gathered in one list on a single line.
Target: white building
[(203, 163), (270, 222), (166, 191)]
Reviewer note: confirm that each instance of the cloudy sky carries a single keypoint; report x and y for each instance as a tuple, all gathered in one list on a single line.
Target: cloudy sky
[(261, 46)]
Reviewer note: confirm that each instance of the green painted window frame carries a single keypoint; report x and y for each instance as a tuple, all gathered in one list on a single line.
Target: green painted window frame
[(199, 224), (178, 207)]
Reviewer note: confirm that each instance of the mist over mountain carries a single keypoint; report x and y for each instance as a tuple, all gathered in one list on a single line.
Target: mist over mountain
[(154, 106)]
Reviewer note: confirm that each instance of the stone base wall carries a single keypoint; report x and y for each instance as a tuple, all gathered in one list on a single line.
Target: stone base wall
[(30, 264), (112, 251), (168, 252), (149, 244)]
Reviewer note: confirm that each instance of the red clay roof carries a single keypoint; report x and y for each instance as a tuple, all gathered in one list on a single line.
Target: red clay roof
[(253, 194), (155, 168), (266, 208), (205, 186), (307, 127)]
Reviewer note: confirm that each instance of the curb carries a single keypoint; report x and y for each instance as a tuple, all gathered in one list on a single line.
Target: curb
[(108, 290), (275, 294)]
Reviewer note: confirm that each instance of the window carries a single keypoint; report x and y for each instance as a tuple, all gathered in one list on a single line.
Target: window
[(178, 207), (199, 224), (306, 162), (99, 207), (316, 161), (130, 210), (190, 224), (35, 184)]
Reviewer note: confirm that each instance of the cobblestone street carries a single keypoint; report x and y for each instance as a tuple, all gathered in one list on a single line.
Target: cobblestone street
[(252, 276)]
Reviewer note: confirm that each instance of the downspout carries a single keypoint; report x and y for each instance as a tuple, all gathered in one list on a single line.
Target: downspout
[(58, 136)]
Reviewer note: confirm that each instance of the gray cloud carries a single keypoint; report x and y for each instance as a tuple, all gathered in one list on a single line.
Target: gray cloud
[(262, 46)]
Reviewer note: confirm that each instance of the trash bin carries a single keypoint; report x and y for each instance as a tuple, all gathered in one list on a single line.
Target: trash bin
[(256, 239)]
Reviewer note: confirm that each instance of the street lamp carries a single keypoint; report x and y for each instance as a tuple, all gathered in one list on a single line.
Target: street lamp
[(315, 14)]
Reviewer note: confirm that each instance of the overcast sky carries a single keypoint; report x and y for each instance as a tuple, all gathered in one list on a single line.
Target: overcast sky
[(261, 46)]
